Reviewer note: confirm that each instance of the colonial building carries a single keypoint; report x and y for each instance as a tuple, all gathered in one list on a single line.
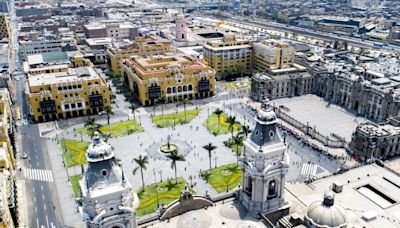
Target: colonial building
[(7, 160), (7, 200), (75, 92), (229, 55), (376, 141), (265, 165), (175, 77), (141, 46), (108, 200), (272, 55)]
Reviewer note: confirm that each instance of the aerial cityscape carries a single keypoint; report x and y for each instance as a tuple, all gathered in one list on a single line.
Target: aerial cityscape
[(199, 113)]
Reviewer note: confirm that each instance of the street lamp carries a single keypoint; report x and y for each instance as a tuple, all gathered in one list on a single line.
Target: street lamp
[(215, 159), (191, 183), (160, 172), (155, 178)]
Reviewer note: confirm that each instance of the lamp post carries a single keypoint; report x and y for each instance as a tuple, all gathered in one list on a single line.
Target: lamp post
[(215, 159), (160, 172), (191, 183), (155, 178)]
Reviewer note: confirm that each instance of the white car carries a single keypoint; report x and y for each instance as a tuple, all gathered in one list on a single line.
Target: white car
[(24, 156)]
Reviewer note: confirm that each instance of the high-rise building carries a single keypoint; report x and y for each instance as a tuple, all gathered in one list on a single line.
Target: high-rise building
[(108, 200), (228, 56), (272, 55), (174, 76), (181, 28), (4, 26), (265, 165)]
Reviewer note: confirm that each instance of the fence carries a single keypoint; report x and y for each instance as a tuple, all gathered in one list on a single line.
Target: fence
[(339, 143)]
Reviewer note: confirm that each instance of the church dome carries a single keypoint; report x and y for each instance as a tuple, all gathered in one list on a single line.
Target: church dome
[(266, 115), (326, 213)]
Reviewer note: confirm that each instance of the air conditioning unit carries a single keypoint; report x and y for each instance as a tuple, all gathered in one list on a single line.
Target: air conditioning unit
[(337, 187)]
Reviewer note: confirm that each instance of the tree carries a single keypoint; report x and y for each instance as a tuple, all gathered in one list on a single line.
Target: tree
[(133, 109), (218, 112), (231, 120), (336, 44), (345, 45), (209, 147), (162, 100), (141, 161), (91, 126), (109, 112), (184, 102), (174, 156), (245, 131), (238, 141)]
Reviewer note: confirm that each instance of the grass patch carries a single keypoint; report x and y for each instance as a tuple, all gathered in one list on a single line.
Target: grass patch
[(243, 84), (75, 185), (212, 125), (223, 176), (168, 191), (177, 118), (118, 129), (235, 149), (74, 152)]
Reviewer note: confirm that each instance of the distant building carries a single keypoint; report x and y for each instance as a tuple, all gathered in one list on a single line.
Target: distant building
[(72, 93), (107, 198), (111, 29), (176, 77), (229, 56), (41, 46), (7, 200), (141, 46), (338, 24), (7, 159), (272, 55), (181, 32)]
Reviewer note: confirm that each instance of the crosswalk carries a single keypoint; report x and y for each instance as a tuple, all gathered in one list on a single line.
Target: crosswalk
[(38, 174), (309, 169)]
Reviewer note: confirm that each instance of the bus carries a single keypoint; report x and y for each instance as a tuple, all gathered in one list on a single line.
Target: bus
[(18, 113)]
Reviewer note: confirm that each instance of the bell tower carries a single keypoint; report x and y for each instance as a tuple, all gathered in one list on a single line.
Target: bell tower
[(265, 165), (108, 200), (181, 28)]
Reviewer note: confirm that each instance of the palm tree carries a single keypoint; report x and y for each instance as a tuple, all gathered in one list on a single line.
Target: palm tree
[(141, 161), (92, 126), (162, 100), (245, 131), (218, 112), (184, 102), (209, 147), (109, 112), (175, 156), (133, 109), (231, 120), (238, 140)]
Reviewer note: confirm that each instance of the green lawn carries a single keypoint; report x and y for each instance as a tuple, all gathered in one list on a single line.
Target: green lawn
[(231, 144), (168, 191), (75, 185), (179, 118), (118, 129), (222, 176), (74, 151), (212, 125), (244, 84)]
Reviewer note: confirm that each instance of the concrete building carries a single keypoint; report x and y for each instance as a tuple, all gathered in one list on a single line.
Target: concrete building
[(7, 200), (175, 77), (229, 56), (75, 92), (108, 200), (265, 165), (376, 141), (112, 29), (7, 160), (181, 28), (5, 29), (141, 46), (340, 24), (272, 55), (41, 46)]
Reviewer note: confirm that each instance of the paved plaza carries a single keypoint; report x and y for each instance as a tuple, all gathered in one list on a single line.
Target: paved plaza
[(305, 162), (326, 119)]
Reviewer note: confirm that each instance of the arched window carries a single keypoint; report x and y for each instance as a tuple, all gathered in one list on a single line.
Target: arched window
[(179, 88), (174, 89), (272, 189), (184, 88), (169, 90), (190, 87)]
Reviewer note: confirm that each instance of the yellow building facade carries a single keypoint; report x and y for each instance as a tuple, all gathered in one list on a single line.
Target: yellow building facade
[(5, 30), (75, 92), (272, 55), (7, 200), (141, 47), (228, 55), (174, 76), (7, 160)]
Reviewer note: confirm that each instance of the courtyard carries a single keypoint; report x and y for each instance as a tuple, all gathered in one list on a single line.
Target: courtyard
[(318, 114)]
